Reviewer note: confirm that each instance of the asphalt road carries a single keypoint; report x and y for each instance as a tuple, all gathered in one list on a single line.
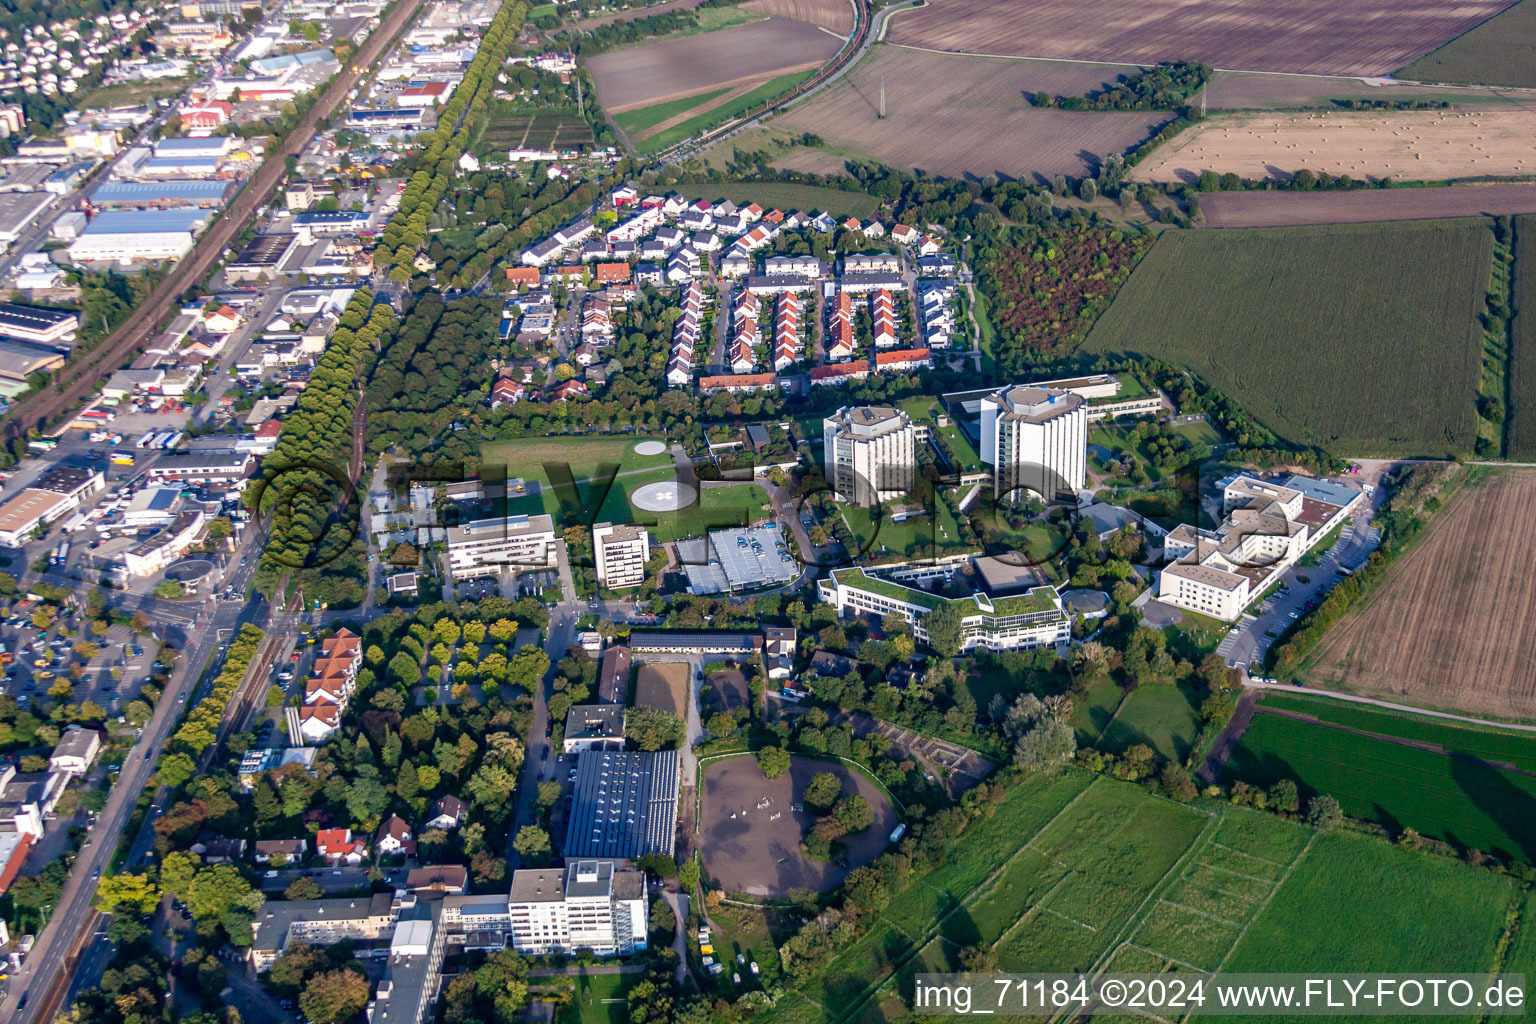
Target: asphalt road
[(74, 918), (558, 638)]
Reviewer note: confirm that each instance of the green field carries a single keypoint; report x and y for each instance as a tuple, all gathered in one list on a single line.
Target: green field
[(787, 196), (1513, 747), (542, 11), (1497, 52), (1458, 800), (1520, 430), (1091, 715), (740, 105), (878, 537), (592, 1005), (1199, 433), (648, 117), (1358, 338), (1075, 872), (1164, 717)]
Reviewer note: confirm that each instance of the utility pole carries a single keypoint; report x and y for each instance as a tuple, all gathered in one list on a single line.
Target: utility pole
[(882, 97)]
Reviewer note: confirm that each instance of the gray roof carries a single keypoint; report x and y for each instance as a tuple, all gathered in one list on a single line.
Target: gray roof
[(146, 222), (625, 804), (538, 885), (159, 191), (712, 641), (595, 721), (1322, 490)]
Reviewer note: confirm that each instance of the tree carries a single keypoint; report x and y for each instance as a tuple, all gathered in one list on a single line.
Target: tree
[(532, 843), (219, 889), (821, 792), (548, 794), (653, 729), (663, 920), (135, 894), (303, 888), (1284, 797), (688, 876), (334, 997), (1049, 743), (774, 762), (1177, 783), (944, 630), (854, 814), (169, 589), (1324, 812)]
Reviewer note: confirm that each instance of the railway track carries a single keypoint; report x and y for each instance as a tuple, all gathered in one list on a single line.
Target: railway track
[(852, 50), (80, 377)]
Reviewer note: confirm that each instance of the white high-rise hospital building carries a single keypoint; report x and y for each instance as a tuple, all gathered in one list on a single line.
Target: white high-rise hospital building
[(1035, 438)]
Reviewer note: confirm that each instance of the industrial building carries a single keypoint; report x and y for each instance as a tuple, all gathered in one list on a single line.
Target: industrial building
[(136, 236), (161, 195), (625, 804), (38, 325), (18, 210)]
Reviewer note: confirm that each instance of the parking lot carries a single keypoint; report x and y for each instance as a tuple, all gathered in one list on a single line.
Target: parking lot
[(111, 677)]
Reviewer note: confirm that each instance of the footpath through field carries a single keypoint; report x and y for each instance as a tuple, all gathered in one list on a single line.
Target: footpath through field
[(1389, 705)]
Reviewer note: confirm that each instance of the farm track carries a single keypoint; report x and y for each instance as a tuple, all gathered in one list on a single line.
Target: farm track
[(1454, 621), (81, 377)]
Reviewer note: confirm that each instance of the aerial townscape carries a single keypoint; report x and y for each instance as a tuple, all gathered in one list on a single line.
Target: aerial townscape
[(727, 511)]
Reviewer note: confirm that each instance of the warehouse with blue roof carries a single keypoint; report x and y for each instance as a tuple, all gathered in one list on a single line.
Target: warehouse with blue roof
[(115, 195), (138, 236)]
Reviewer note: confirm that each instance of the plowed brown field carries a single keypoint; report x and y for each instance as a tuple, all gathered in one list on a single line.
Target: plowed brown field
[(836, 15), (1323, 37), (1454, 623)]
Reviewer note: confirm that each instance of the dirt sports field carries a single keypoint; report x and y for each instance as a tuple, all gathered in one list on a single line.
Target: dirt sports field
[(975, 104), (1286, 209), (836, 15), (640, 76), (1410, 145), (1320, 37), (1454, 623), (747, 849)]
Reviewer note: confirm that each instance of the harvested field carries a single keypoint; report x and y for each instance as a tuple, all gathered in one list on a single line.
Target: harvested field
[(1237, 90), (1373, 37), (1454, 622), (755, 849), (1497, 52), (836, 15), (976, 104), (1410, 145), (640, 76), (1287, 209), (1260, 315)]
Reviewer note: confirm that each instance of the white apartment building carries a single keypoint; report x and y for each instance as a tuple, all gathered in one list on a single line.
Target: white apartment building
[(1023, 622), (620, 553), (1266, 528), (870, 454), (160, 549), (588, 904), (485, 547), (1035, 439)]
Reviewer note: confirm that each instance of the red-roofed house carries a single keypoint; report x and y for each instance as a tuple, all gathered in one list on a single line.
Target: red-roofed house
[(903, 359), (736, 383), (506, 391), (904, 234), (836, 373), (526, 277), (317, 721), (337, 846), (611, 273), (569, 389)]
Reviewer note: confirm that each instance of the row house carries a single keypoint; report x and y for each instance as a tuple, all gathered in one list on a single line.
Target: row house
[(794, 266), (786, 331), (938, 316), (903, 359), (882, 312), (840, 344), (624, 195), (744, 333), (596, 320), (838, 373), (685, 335), (637, 227), (328, 689), (872, 263), (738, 383), (683, 265)]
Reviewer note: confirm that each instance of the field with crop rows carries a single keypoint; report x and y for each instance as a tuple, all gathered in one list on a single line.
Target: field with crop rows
[(1454, 621), (1461, 801), (1291, 209), (541, 130), (1521, 428), (1263, 316), (1372, 37), (1510, 747), (1497, 52)]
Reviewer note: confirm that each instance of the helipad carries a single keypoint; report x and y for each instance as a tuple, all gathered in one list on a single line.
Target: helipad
[(650, 448), (663, 496)]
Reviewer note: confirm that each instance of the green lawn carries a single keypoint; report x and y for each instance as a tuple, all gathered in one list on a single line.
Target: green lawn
[(716, 508), (526, 456), (1199, 432), (647, 117), (1405, 294), (592, 1004), (878, 537), (1090, 715), (1164, 717), (542, 11), (740, 105)]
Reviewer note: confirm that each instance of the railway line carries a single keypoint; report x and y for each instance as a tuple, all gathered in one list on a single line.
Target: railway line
[(79, 378)]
